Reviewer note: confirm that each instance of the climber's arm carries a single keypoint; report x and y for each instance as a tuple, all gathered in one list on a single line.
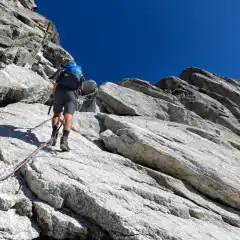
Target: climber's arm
[(54, 87), (55, 77)]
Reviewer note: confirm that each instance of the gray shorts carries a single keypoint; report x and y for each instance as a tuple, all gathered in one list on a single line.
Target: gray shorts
[(64, 99)]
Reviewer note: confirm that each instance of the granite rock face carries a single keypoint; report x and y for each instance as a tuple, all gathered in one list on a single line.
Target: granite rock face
[(124, 101), (144, 194), (148, 89), (29, 39), (201, 103), (21, 84), (224, 90), (16, 227), (176, 151), (147, 162)]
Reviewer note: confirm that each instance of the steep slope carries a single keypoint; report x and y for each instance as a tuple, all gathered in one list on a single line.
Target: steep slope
[(28, 39), (155, 162), (119, 197)]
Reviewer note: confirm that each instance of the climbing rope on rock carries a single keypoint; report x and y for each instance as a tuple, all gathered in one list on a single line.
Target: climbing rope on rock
[(7, 172)]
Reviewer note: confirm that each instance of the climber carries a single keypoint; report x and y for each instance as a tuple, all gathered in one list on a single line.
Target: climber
[(66, 90)]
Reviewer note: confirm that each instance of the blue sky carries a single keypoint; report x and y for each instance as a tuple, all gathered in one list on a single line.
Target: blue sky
[(148, 39)]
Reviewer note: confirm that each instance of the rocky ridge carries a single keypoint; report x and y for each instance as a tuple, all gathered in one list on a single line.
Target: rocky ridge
[(148, 162)]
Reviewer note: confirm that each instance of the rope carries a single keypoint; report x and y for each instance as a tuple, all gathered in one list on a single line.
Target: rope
[(90, 94), (39, 125), (10, 170), (82, 99), (22, 42), (31, 62)]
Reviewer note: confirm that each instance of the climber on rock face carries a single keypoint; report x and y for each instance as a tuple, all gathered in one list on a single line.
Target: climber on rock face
[(69, 78)]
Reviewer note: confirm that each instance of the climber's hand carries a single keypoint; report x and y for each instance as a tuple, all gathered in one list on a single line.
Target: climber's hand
[(54, 87), (51, 97)]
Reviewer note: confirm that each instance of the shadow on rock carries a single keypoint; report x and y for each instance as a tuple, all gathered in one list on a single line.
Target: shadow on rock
[(29, 137)]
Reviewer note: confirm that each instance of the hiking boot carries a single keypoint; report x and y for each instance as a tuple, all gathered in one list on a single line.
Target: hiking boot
[(64, 144), (54, 136)]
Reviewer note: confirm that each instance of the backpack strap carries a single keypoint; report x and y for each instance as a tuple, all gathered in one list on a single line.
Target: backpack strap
[(62, 71), (79, 90), (56, 74)]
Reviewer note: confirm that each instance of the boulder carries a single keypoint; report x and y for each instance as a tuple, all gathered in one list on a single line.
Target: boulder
[(188, 72), (90, 104), (58, 225), (55, 54), (30, 4), (232, 106), (124, 101), (148, 89), (20, 84), (227, 92), (17, 227), (89, 125), (200, 103), (88, 101), (208, 167)]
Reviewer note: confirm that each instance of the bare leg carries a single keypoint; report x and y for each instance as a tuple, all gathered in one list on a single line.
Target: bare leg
[(68, 121), (55, 119)]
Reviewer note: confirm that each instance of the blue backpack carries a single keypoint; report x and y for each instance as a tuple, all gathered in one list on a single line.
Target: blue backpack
[(71, 77)]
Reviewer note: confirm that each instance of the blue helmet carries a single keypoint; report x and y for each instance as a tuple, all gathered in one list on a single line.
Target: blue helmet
[(74, 68)]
